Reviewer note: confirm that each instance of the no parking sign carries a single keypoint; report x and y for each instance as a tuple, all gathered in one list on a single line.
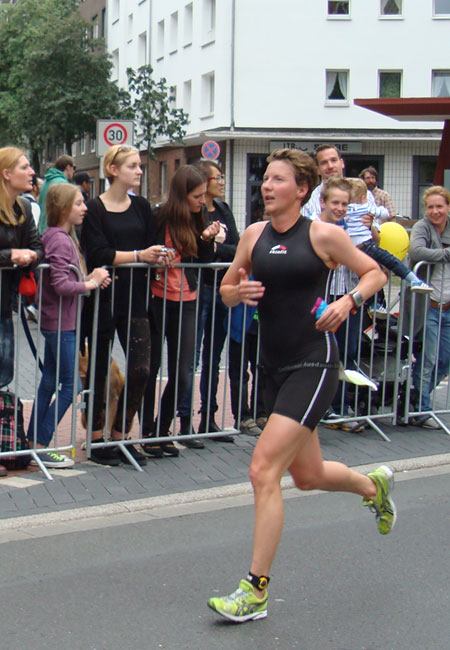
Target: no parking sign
[(210, 150), (111, 132)]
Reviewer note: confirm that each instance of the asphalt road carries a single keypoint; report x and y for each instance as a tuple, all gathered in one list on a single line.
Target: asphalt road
[(142, 583)]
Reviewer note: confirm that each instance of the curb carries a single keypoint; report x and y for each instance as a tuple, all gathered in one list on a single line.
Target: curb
[(194, 496)]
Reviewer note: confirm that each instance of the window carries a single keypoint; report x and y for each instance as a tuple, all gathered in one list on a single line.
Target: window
[(163, 180), (389, 84), (441, 8), (160, 40), (130, 28), (391, 7), (338, 8), (188, 20), (173, 32), (142, 49), (208, 92), (103, 22), (93, 143), (209, 21), (115, 10), (95, 27), (83, 146), (187, 94), (115, 65), (440, 84), (173, 96), (337, 86)]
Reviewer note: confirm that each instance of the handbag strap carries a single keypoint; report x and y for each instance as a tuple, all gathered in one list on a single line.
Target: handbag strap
[(26, 329)]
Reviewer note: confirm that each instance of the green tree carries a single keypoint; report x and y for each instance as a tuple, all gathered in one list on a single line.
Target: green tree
[(54, 77), (152, 106)]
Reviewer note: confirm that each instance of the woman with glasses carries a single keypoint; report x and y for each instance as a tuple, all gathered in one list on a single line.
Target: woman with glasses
[(212, 332), (120, 228)]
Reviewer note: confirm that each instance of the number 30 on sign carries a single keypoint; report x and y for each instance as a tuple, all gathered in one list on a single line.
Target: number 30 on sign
[(111, 132)]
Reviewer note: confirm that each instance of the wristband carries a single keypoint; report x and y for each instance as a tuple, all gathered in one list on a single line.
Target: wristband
[(97, 286)]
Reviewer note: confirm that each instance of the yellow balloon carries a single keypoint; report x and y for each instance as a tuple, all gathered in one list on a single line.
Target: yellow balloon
[(395, 239)]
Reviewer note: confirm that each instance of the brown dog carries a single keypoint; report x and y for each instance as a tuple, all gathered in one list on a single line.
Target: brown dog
[(116, 384)]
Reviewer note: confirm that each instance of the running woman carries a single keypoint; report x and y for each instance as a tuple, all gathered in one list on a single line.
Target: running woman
[(291, 257)]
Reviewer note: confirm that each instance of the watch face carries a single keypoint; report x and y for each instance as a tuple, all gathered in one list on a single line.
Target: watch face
[(357, 298)]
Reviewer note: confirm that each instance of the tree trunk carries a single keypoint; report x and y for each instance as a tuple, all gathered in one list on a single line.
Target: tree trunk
[(35, 161)]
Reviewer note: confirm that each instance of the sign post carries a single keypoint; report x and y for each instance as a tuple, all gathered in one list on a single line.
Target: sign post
[(111, 132)]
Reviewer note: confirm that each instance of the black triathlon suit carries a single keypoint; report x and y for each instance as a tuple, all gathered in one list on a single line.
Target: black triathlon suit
[(299, 363)]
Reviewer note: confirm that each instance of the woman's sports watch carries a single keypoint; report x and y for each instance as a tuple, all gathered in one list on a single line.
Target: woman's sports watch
[(357, 298)]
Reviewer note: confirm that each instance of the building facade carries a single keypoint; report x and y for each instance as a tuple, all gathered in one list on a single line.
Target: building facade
[(285, 74)]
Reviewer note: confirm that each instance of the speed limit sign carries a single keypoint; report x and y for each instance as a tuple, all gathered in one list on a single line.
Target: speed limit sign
[(111, 132)]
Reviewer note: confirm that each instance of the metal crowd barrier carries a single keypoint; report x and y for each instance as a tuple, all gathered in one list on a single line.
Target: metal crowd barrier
[(19, 357), (387, 344)]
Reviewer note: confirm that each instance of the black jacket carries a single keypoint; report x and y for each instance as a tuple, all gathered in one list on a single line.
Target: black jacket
[(24, 235), (226, 250)]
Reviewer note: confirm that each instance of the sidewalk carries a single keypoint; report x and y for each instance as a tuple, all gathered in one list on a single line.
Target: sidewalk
[(219, 465)]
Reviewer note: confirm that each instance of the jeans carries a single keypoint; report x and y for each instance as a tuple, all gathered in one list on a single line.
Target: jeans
[(50, 382), (425, 375), (214, 334), (6, 350), (385, 258), (239, 399), (179, 359), (340, 401)]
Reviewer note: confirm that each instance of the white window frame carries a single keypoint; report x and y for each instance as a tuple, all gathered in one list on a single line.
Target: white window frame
[(208, 94), (329, 81), (209, 22), (331, 16), (384, 16), (93, 142), (83, 146), (440, 74), (142, 49), (173, 33), (187, 96), (440, 16), (188, 24), (160, 40), (380, 72)]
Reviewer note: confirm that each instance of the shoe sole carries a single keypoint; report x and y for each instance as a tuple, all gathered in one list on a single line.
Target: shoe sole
[(342, 427), (109, 461), (53, 465), (422, 291), (239, 619), (391, 482)]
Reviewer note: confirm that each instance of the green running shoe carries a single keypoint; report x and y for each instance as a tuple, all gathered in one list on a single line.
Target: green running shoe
[(242, 605), (382, 505)]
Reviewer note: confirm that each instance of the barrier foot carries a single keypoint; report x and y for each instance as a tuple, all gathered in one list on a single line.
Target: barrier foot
[(41, 465), (376, 428), (131, 458)]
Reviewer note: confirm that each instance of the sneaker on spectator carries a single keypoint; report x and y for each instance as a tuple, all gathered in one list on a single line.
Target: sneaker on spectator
[(138, 457), (105, 455), (54, 460), (380, 312), (427, 422), (421, 287), (249, 427), (352, 426)]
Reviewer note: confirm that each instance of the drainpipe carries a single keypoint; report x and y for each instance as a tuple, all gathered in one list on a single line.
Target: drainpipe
[(231, 142)]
